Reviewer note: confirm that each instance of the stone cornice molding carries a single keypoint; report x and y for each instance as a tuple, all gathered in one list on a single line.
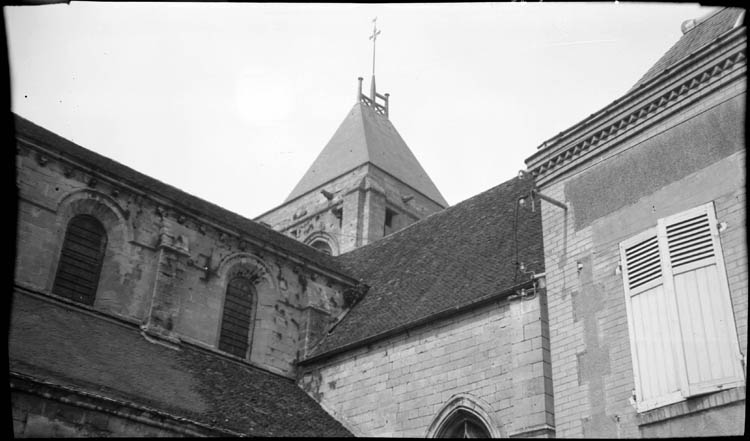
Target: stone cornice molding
[(722, 60)]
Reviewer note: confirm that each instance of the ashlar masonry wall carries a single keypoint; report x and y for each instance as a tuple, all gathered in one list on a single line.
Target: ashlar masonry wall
[(495, 357), (694, 157), (355, 213)]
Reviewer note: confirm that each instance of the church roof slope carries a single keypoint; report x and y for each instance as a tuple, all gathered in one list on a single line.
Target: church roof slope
[(366, 136), (452, 258), (77, 349), (187, 202), (705, 30)]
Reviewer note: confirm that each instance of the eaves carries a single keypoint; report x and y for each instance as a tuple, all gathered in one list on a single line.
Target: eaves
[(694, 77), (458, 309)]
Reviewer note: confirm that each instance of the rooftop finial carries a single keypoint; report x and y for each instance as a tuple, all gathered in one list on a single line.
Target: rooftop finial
[(374, 37), (372, 100)]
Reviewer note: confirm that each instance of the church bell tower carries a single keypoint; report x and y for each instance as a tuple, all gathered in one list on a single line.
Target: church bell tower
[(365, 184)]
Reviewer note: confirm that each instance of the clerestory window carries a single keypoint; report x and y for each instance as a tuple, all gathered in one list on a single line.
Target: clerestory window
[(81, 258), (681, 323), (237, 318)]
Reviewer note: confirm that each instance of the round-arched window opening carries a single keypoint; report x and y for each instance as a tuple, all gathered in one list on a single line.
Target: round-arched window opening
[(322, 246), (463, 424)]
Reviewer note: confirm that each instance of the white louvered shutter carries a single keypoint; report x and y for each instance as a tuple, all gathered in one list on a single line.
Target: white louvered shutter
[(652, 322), (695, 271)]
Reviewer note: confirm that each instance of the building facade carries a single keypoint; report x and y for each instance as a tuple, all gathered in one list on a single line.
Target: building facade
[(452, 335), (365, 184), (648, 260), (152, 267), (601, 293)]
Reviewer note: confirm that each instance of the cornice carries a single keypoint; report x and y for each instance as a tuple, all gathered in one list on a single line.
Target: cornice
[(624, 117)]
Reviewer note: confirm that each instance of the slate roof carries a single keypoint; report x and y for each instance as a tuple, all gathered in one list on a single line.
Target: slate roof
[(187, 202), (451, 258), (706, 30), (366, 136), (73, 348)]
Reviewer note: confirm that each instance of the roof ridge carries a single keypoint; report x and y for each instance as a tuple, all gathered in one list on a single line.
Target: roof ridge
[(699, 22)]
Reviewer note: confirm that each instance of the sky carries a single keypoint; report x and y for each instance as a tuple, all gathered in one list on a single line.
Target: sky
[(232, 102)]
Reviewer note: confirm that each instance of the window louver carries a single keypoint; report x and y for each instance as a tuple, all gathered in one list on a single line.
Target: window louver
[(683, 337), (81, 260), (690, 240), (643, 262)]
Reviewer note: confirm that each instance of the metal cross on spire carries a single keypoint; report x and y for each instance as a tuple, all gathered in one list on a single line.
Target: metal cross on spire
[(373, 37)]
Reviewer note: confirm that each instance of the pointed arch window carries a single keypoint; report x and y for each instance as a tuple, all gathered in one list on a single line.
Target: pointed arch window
[(463, 424), (237, 318), (81, 259)]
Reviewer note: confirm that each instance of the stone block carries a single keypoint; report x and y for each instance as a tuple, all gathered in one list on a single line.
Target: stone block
[(41, 426), (97, 420)]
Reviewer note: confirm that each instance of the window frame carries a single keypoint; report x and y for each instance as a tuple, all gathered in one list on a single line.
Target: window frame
[(253, 293), (65, 253)]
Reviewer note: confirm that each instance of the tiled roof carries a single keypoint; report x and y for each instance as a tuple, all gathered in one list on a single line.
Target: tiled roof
[(366, 136), (77, 349), (705, 31), (451, 258), (187, 202)]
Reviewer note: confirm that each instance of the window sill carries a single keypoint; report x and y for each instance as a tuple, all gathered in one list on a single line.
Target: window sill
[(692, 405)]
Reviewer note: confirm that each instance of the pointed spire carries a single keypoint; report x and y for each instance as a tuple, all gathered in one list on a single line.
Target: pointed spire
[(363, 137)]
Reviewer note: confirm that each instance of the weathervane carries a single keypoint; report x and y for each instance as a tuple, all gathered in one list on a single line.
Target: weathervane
[(373, 37)]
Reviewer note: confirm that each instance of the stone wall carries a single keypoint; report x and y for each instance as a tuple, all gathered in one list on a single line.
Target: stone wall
[(165, 267), (43, 410), (355, 213), (694, 157), (494, 359)]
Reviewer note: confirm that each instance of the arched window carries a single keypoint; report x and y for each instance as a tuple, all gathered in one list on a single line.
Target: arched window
[(81, 259), (463, 424), (322, 246), (237, 317)]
